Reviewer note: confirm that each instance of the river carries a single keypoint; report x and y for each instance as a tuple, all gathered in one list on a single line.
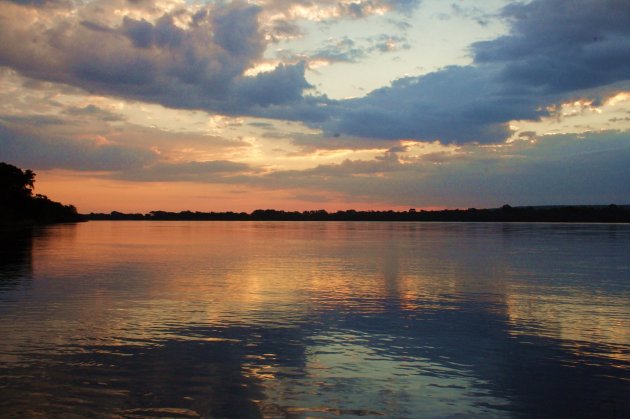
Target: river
[(315, 319)]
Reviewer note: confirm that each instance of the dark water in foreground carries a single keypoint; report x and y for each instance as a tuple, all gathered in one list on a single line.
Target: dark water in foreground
[(272, 319)]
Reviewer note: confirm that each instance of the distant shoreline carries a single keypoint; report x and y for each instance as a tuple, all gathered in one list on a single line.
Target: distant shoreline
[(569, 214)]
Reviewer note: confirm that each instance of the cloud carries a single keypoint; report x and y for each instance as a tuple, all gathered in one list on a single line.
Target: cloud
[(93, 112), (196, 57), (338, 50), (91, 126), (130, 155), (39, 3), (193, 171), (181, 58), (345, 50), (283, 85), (282, 30), (555, 51), (309, 143), (50, 112), (44, 121), (404, 6), (388, 43), (332, 10), (236, 31), (473, 13), (453, 105), (39, 152), (562, 45), (342, 50), (586, 169)]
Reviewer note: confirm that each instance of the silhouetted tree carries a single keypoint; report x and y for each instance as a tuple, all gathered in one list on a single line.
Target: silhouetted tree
[(18, 205), (15, 183)]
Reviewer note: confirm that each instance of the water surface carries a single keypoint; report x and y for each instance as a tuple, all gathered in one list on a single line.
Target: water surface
[(309, 319)]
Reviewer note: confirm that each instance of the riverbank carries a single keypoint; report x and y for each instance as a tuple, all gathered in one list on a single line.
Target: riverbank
[(580, 213)]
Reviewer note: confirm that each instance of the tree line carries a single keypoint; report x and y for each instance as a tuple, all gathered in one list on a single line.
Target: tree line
[(506, 213), (19, 205)]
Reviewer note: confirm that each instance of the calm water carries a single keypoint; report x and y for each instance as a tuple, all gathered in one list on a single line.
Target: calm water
[(273, 319)]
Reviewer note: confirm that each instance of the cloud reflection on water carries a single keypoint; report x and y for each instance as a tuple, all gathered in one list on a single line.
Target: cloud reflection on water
[(284, 319)]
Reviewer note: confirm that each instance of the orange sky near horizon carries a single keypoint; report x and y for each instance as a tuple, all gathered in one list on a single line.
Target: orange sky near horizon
[(89, 194), (337, 104)]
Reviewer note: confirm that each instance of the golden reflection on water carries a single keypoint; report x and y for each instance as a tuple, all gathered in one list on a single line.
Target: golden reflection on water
[(352, 299), (169, 274), (578, 320)]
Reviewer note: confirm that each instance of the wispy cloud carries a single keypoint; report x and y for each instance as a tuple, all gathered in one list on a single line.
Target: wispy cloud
[(345, 50), (556, 169), (47, 152)]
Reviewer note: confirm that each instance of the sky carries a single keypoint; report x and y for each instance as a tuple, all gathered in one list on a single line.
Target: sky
[(139, 105)]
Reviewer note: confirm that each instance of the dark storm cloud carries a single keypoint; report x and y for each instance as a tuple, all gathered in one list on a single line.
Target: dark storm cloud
[(454, 105), (236, 31), (262, 89), (562, 45), (32, 150), (141, 32)]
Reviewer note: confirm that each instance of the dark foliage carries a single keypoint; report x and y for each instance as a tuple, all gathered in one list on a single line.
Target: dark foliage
[(507, 213), (18, 205)]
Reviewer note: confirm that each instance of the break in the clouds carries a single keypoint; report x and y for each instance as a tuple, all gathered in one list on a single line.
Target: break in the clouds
[(554, 52)]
